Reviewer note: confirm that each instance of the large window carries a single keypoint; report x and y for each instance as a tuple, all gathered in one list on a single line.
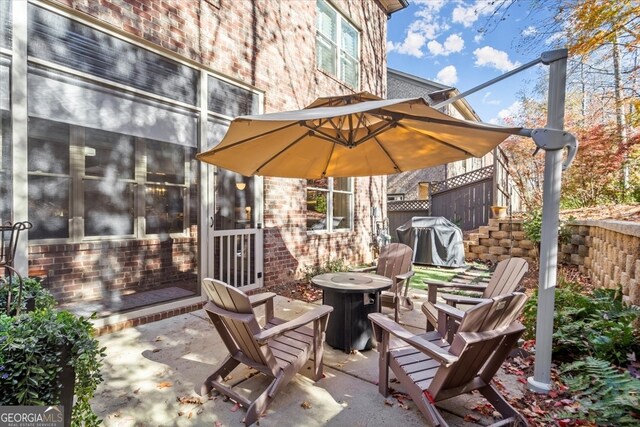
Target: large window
[(104, 169), (329, 204), (337, 45)]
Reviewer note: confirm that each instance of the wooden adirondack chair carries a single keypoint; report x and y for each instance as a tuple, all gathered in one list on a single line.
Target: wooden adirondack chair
[(395, 262), (504, 280), (279, 350), (431, 370)]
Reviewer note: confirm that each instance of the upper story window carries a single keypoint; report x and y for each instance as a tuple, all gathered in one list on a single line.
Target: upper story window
[(329, 204), (337, 45)]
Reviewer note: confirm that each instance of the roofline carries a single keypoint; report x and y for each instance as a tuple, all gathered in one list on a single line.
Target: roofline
[(393, 6), (445, 92), (419, 79)]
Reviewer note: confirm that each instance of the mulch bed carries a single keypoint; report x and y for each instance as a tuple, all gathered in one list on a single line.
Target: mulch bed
[(302, 291)]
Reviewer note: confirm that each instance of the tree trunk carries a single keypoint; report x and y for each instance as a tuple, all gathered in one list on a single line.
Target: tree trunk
[(621, 125)]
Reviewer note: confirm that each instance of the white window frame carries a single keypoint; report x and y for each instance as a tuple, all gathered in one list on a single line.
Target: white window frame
[(336, 45), (329, 216)]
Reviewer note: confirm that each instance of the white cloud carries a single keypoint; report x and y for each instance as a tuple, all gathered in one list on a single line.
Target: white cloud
[(509, 114), (486, 100), (412, 45), (453, 44), (468, 15), (433, 6), (478, 37), (553, 39), (435, 48), (529, 31), (430, 30), (448, 75), (489, 57)]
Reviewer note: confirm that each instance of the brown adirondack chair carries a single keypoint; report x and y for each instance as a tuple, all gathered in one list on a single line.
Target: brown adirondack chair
[(279, 350), (430, 370), (504, 280), (395, 262)]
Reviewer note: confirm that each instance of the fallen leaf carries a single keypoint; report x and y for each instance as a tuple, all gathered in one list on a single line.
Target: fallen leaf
[(553, 394), (217, 424), (136, 390), (190, 414), (470, 418), (388, 402), (306, 405), (235, 407), (228, 378), (199, 411), (164, 384), (155, 350), (189, 400), (180, 413), (523, 380), (158, 338)]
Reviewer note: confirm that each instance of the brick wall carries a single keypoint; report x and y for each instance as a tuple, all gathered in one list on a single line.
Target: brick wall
[(91, 271)]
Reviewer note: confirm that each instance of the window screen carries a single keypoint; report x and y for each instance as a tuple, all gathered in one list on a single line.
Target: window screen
[(5, 24), (231, 100), (58, 39)]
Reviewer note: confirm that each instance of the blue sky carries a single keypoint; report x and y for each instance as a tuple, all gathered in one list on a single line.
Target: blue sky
[(441, 40)]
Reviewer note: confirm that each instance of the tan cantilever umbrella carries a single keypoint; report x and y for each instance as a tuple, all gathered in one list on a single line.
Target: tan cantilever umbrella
[(352, 135)]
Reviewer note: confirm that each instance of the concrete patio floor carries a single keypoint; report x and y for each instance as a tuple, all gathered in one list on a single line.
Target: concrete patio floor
[(153, 371)]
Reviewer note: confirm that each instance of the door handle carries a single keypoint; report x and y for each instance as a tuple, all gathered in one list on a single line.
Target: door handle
[(211, 222)]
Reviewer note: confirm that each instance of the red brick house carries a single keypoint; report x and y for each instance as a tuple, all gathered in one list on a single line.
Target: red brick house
[(103, 106)]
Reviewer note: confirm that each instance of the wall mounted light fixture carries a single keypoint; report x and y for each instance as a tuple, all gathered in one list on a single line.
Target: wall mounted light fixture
[(241, 185)]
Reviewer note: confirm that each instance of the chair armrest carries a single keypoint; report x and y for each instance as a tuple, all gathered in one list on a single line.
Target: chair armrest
[(363, 269), (259, 299), (265, 335), (432, 350), (453, 285), (450, 311), (405, 276), (461, 299)]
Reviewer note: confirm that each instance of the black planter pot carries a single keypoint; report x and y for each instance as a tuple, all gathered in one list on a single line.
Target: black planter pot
[(67, 379)]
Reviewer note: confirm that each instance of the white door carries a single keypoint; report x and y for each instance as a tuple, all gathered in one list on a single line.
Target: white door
[(232, 250)]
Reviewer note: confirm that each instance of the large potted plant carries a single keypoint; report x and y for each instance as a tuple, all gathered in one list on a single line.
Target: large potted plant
[(47, 356)]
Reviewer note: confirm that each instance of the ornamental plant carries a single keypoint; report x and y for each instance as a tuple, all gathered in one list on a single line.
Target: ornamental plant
[(31, 345)]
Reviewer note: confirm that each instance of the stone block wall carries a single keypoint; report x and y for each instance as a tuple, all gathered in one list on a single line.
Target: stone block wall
[(501, 239), (608, 252)]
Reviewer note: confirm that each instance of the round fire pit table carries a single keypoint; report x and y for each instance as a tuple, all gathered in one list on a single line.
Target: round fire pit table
[(353, 296)]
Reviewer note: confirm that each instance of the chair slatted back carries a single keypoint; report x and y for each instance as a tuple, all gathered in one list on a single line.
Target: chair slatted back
[(395, 258), (230, 300), (506, 277), (484, 338)]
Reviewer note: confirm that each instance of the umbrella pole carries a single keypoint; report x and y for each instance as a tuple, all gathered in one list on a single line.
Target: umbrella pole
[(553, 141)]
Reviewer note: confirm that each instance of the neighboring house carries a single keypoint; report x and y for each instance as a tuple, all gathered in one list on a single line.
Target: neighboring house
[(103, 107), (479, 182), (414, 185)]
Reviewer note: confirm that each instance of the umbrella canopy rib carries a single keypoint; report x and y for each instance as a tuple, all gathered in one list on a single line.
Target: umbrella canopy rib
[(459, 124), (440, 141), (326, 165), (270, 159), (251, 138), (395, 165)]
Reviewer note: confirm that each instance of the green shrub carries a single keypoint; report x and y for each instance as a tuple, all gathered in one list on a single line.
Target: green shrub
[(30, 349), (31, 290), (532, 227), (330, 266), (606, 396), (598, 325)]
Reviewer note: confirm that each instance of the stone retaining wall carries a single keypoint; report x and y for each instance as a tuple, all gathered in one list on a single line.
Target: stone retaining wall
[(501, 239), (606, 251)]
